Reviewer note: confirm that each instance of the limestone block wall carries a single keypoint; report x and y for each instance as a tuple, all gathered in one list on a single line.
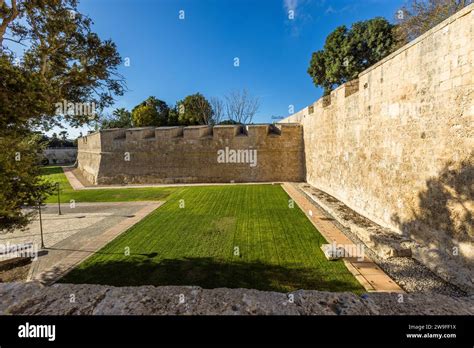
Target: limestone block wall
[(89, 156), (191, 154), (397, 145), (60, 155)]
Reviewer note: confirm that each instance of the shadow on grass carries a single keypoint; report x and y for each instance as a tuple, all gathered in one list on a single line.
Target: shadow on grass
[(210, 273)]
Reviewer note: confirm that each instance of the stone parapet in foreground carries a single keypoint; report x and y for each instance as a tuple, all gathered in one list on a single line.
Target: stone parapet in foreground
[(34, 299)]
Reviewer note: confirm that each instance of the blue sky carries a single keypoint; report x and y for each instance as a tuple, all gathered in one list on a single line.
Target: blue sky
[(172, 57)]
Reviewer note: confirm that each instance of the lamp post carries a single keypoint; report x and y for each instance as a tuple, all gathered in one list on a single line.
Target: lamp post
[(59, 198), (41, 225)]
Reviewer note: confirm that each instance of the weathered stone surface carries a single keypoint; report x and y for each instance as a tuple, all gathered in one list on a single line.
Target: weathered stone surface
[(419, 304), (383, 241), (399, 148), (168, 155), (69, 299), (60, 155)]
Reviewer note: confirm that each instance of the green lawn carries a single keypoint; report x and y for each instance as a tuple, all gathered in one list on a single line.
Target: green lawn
[(278, 247), (56, 174)]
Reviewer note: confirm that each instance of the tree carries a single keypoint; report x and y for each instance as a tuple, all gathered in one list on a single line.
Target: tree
[(419, 16), (7, 14), (173, 116), (241, 107), (20, 182), (218, 110), (23, 96), (348, 52), (64, 61), (121, 118), (195, 109), (54, 141), (64, 135), (228, 122), (150, 113)]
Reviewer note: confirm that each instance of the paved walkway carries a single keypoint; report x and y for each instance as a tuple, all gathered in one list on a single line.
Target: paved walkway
[(85, 233), (75, 183), (78, 185), (372, 277)]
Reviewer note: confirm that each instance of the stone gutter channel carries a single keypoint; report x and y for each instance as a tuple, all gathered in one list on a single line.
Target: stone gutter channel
[(369, 275), (390, 254)]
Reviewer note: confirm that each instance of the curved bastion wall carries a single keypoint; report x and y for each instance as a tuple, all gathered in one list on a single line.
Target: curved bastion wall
[(196, 154)]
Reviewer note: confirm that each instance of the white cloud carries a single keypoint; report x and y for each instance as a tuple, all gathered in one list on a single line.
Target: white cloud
[(299, 15), (330, 10), (290, 4)]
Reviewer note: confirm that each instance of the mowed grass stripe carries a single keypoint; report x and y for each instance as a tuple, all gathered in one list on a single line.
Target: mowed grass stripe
[(194, 246), (55, 174)]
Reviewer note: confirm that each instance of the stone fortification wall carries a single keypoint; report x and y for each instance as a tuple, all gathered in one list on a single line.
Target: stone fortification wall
[(257, 153), (397, 145)]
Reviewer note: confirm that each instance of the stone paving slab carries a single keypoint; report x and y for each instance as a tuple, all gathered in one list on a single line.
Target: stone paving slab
[(75, 183), (371, 277), (55, 227), (65, 254)]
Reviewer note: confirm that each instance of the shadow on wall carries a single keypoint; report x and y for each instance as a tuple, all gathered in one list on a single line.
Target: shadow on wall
[(303, 158), (443, 219)]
